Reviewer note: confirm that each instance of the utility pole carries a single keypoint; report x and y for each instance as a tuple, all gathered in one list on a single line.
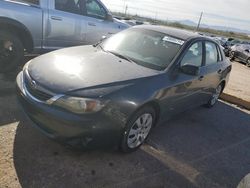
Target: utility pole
[(156, 14), (199, 23), (124, 4), (126, 9)]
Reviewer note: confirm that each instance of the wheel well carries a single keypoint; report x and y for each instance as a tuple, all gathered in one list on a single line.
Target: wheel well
[(223, 84), (20, 31), (155, 105)]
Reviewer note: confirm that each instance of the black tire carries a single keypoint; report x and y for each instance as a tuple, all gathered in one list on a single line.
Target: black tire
[(248, 62), (11, 51), (213, 100), (124, 147), (232, 56)]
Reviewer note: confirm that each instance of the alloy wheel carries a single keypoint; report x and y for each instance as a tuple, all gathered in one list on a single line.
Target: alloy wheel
[(140, 130), (216, 95), (248, 63)]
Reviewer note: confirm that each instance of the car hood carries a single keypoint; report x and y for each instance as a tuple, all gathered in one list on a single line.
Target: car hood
[(81, 67), (122, 25)]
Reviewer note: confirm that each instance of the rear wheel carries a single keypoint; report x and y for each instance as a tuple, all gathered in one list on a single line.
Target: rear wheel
[(138, 129), (11, 51), (232, 56), (215, 97), (248, 62)]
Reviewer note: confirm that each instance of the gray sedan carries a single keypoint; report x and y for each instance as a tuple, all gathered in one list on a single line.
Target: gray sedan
[(115, 92)]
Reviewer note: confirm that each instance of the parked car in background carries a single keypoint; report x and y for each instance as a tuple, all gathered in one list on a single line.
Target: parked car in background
[(115, 92), (37, 26), (245, 42), (241, 52), (220, 40), (231, 42), (131, 21)]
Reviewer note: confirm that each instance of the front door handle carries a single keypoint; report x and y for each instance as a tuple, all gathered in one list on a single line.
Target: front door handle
[(91, 24), (201, 78), (56, 18)]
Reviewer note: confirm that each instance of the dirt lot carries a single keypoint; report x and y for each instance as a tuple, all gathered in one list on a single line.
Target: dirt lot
[(239, 83), (199, 148)]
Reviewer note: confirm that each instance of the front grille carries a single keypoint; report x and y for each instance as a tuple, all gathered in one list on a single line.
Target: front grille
[(36, 91)]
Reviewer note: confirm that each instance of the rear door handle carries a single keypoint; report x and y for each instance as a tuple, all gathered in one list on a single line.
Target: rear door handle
[(201, 78), (91, 24), (219, 71), (56, 18)]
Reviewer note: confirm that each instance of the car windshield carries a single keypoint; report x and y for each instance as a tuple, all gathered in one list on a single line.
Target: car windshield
[(148, 48)]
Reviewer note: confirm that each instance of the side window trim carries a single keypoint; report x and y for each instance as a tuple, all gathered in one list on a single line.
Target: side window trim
[(203, 53), (218, 54), (29, 2), (220, 57)]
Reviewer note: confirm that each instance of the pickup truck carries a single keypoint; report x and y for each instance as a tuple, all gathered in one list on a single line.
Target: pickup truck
[(35, 27)]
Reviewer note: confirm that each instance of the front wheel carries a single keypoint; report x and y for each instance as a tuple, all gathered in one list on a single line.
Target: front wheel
[(11, 51), (138, 129), (213, 100)]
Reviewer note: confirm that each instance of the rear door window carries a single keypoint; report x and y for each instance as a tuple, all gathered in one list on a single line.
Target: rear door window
[(212, 56), (220, 57)]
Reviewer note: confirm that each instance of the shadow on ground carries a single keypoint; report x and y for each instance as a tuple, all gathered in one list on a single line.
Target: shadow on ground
[(200, 148), (9, 112), (7, 80)]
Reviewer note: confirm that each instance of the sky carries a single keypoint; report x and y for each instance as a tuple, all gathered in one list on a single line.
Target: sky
[(228, 13)]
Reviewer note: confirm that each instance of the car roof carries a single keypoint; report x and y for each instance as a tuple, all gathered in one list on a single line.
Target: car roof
[(174, 32)]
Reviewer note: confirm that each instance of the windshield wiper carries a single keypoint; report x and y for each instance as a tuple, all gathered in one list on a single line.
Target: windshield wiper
[(121, 56), (99, 46)]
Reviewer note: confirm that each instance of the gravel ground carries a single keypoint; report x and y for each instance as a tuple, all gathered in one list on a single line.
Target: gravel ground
[(239, 82)]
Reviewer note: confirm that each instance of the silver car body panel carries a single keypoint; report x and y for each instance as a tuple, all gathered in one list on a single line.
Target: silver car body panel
[(53, 29)]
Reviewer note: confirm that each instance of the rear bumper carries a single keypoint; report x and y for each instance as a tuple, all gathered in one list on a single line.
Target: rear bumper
[(91, 130)]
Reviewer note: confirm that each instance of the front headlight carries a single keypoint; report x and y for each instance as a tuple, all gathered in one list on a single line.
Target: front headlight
[(79, 105)]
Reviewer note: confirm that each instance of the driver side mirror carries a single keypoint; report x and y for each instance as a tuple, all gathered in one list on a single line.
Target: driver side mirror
[(109, 17), (190, 69), (247, 50)]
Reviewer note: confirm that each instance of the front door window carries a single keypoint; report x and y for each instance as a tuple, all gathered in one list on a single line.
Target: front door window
[(193, 56)]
